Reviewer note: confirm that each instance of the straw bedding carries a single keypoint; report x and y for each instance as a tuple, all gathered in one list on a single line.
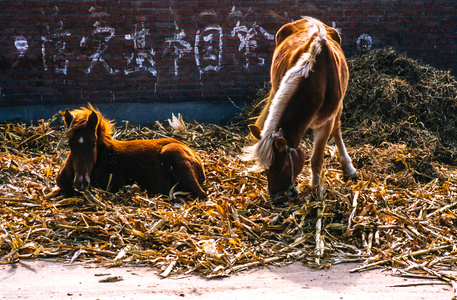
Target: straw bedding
[(400, 129)]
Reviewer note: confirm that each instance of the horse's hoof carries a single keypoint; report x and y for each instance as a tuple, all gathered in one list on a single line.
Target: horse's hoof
[(280, 198), (353, 177)]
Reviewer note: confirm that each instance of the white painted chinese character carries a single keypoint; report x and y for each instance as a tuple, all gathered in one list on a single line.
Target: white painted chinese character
[(178, 45), (364, 42), (336, 28), (97, 57), (55, 41), (208, 49), (21, 45), (141, 59), (246, 34)]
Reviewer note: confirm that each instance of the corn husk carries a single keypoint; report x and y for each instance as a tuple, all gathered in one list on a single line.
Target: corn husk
[(401, 214)]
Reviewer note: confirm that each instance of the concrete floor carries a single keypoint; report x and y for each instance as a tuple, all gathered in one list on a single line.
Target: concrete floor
[(42, 279)]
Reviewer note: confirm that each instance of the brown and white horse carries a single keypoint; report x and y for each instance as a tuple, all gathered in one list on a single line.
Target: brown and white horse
[(309, 77), (99, 160)]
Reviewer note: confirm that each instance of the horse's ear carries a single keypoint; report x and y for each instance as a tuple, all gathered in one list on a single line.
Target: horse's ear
[(280, 144), (255, 130), (68, 118), (93, 120)]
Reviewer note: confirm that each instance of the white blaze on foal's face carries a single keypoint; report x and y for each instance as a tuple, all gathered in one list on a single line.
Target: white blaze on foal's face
[(84, 154)]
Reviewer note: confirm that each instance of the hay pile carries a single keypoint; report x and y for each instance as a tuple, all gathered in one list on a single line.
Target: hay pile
[(401, 214), (393, 98)]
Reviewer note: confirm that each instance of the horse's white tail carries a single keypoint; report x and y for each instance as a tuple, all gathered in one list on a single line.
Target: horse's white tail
[(262, 151)]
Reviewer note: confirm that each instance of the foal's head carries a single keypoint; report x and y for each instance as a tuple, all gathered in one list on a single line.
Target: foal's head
[(83, 136), (284, 168)]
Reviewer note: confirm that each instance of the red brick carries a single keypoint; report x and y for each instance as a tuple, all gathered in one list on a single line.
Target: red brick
[(427, 34)]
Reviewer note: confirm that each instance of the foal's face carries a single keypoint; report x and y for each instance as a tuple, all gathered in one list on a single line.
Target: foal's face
[(83, 148), (286, 166)]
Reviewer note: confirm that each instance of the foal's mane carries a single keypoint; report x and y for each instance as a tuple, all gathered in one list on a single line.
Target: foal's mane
[(81, 115), (262, 151)]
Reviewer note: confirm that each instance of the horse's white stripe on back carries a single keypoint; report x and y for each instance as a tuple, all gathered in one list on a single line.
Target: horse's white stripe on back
[(292, 79), (262, 151)]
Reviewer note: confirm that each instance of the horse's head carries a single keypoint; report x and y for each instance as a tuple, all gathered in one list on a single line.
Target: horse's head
[(286, 165), (82, 140)]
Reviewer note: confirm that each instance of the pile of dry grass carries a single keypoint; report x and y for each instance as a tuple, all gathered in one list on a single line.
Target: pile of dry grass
[(401, 213), (393, 98)]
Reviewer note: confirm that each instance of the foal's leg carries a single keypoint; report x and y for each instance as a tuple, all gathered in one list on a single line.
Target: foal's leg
[(187, 169), (64, 180), (188, 175), (321, 136), (348, 169)]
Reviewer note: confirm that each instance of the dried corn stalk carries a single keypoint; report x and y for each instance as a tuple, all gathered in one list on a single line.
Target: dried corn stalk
[(401, 214)]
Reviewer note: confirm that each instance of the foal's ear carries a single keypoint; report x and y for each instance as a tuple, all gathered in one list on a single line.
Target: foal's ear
[(280, 144), (68, 118), (255, 130), (93, 120)]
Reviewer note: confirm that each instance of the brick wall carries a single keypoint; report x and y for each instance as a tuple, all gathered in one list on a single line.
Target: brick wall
[(147, 51)]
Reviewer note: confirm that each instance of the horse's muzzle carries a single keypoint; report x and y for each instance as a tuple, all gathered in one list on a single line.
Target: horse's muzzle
[(81, 183), (290, 193)]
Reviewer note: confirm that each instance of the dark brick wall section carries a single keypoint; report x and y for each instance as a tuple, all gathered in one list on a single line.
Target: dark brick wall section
[(147, 51)]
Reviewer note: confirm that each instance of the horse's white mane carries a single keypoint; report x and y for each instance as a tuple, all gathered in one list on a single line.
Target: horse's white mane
[(262, 151)]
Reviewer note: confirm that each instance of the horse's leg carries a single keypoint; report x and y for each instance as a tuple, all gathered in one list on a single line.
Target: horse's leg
[(186, 169), (348, 169), (188, 175), (64, 180), (321, 136)]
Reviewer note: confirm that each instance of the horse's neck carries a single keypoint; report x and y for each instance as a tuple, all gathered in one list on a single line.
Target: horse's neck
[(294, 140), (107, 145), (292, 133)]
